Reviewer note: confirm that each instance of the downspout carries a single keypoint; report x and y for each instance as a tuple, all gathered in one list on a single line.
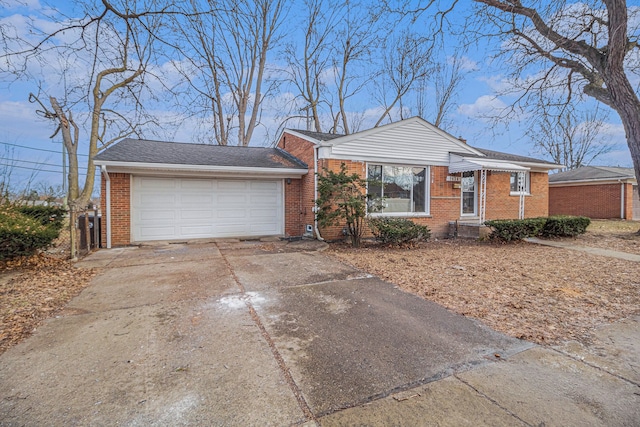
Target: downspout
[(622, 210), (103, 169), (315, 192)]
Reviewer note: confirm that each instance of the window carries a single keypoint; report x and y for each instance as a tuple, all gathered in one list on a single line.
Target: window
[(400, 189), (514, 182), (468, 186)]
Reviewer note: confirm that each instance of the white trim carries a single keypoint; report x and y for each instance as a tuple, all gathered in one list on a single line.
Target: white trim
[(622, 194), (107, 202), (202, 171), (131, 195), (475, 198), (592, 182), (299, 135), (315, 194), (427, 190), (459, 163)]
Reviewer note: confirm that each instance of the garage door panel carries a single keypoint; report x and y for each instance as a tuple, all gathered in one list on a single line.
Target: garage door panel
[(158, 199), (157, 214), (199, 215), (154, 183), (156, 233), (230, 214), (197, 185), (231, 186), (262, 214), (176, 208), (195, 230), (263, 200), (264, 185), (231, 200)]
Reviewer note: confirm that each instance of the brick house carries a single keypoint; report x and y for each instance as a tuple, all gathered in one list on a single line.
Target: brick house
[(596, 192), (155, 190), (466, 185)]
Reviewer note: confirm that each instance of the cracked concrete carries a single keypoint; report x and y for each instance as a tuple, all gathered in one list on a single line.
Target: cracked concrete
[(275, 333)]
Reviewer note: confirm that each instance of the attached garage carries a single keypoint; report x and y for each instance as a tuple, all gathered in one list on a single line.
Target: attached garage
[(190, 208), (164, 191)]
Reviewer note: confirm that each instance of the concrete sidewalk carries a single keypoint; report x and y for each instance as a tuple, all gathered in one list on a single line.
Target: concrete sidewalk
[(588, 249), (269, 333)]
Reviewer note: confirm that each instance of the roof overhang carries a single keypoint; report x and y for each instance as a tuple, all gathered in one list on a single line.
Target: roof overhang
[(200, 170), (576, 182), (461, 164)]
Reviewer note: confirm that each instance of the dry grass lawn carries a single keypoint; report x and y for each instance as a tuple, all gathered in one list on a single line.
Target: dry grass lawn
[(541, 294)]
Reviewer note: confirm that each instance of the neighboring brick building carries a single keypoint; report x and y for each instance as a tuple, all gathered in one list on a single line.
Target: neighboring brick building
[(155, 190), (465, 184), (596, 192)]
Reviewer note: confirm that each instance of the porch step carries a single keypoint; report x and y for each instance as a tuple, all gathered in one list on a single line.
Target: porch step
[(468, 230)]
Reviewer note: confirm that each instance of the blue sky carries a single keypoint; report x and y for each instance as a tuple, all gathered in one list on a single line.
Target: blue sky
[(25, 137)]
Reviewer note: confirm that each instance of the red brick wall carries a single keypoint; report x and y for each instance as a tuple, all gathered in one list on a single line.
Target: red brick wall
[(594, 201), (502, 205), (299, 195), (120, 209)]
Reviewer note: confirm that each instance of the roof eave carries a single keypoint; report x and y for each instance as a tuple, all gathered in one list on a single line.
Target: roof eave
[(222, 171), (613, 180), (299, 135)]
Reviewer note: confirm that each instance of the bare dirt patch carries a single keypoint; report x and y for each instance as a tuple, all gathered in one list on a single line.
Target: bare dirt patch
[(541, 294), (33, 289)]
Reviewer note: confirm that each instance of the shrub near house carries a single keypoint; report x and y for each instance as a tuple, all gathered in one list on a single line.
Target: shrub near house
[(25, 230), (508, 230)]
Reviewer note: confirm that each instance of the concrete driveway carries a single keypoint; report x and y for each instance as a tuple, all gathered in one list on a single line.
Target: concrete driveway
[(273, 333)]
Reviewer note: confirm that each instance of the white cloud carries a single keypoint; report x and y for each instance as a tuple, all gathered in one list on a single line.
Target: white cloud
[(466, 63), (16, 4), (486, 106)]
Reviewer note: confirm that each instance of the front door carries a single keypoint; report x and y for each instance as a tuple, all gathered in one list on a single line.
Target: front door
[(469, 194)]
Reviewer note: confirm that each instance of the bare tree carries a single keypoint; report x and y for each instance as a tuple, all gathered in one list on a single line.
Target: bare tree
[(307, 69), (354, 40), (99, 61), (569, 137), (226, 46), (574, 47), (406, 60)]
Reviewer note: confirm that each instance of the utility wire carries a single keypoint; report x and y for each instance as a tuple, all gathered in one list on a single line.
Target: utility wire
[(36, 163), (34, 169), (37, 149)]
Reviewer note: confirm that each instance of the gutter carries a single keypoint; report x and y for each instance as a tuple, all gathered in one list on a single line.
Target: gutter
[(315, 192), (103, 169)]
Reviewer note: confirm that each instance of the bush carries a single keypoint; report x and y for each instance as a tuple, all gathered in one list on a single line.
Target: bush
[(565, 226), (398, 230), (509, 230), (22, 235), (47, 215)]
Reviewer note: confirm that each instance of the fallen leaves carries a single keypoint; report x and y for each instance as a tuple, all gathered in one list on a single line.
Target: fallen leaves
[(537, 293), (33, 289)]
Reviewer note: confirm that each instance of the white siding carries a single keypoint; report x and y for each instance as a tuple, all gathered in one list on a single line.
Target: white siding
[(412, 141)]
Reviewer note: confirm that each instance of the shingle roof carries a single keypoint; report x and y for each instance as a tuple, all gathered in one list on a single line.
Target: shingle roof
[(587, 173), (146, 151), (497, 155), (320, 136)]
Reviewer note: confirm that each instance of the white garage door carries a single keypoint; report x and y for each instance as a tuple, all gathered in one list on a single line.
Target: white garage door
[(185, 208)]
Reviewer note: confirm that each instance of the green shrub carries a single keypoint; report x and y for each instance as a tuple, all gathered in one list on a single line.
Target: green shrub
[(565, 226), (22, 235), (47, 215), (509, 230), (398, 230)]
